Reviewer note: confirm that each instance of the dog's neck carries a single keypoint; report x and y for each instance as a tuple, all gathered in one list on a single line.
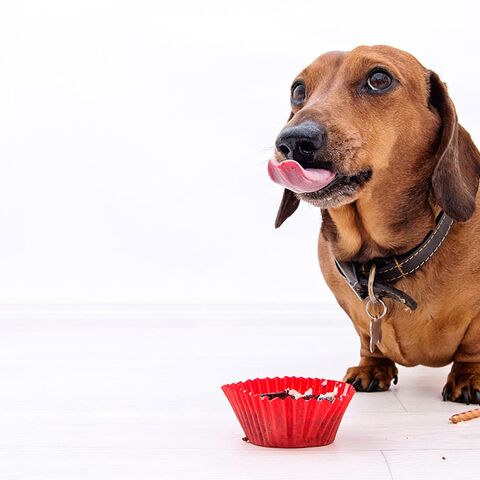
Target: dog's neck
[(373, 227)]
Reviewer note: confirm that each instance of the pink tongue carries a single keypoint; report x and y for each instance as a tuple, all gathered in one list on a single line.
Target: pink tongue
[(293, 176)]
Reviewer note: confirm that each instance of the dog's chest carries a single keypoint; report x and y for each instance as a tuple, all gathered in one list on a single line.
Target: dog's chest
[(429, 335), (414, 338)]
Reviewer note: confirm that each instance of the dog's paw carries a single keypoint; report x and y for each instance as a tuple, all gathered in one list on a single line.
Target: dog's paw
[(375, 375), (463, 384)]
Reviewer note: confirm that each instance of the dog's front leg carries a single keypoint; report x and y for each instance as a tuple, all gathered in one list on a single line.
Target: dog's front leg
[(463, 382), (374, 373)]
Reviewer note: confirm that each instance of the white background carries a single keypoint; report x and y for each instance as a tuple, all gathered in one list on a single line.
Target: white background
[(134, 138)]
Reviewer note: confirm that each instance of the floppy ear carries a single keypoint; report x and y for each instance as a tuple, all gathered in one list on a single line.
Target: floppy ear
[(288, 205), (457, 170)]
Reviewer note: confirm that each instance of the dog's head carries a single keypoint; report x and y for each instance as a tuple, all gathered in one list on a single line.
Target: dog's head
[(367, 122)]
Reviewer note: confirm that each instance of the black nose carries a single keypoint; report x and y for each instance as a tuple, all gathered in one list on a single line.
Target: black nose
[(301, 142)]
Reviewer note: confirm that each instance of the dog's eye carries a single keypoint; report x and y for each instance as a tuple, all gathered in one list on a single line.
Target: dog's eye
[(298, 93), (379, 81)]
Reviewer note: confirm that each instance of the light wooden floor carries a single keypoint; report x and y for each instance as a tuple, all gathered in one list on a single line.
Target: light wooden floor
[(125, 393)]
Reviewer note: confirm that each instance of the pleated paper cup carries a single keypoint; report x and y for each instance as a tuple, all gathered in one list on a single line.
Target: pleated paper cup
[(289, 422)]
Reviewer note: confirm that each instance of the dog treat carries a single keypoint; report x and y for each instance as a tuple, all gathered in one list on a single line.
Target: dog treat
[(308, 395), (282, 395), (288, 392), (465, 416)]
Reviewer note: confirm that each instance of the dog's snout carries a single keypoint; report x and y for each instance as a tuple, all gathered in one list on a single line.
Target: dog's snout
[(301, 142)]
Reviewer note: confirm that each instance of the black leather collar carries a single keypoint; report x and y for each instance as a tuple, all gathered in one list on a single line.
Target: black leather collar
[(389, 270)]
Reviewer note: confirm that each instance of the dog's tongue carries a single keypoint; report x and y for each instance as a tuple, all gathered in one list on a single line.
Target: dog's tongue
[(293, 176)]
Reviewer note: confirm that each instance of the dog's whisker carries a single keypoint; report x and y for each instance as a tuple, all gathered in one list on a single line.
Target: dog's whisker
[(265, 151)]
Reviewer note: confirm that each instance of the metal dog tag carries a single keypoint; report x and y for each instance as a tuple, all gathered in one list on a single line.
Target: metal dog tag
[(375, 332), (375, 323)]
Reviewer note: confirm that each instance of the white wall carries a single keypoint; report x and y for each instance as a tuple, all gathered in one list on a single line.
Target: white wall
[(134, 138)]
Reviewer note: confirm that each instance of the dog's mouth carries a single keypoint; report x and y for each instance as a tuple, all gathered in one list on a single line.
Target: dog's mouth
[(298, 179), (342, 190), (317, 184)]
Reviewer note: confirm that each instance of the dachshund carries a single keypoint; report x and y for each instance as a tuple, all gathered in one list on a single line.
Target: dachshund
[(374, 142)]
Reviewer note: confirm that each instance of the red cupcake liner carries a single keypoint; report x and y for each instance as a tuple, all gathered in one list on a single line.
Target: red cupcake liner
[(289, 422)]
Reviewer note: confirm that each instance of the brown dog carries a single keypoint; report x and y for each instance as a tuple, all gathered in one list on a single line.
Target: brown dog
[(381, 154)]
